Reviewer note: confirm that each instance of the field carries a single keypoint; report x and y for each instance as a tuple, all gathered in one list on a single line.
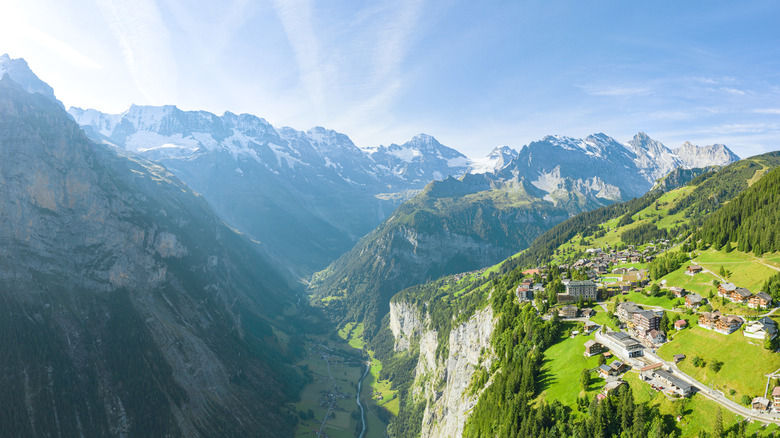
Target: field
[(746, 270), (345, 356), (700, 283), (563, 364), (745, 360), (660, 301), (698, 412)]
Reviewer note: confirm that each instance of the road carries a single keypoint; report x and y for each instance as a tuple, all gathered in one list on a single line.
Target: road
[(650, 358), (714, 395)]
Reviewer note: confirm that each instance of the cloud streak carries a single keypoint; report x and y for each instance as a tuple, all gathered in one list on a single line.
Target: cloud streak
[(146, 46), (295, 16)]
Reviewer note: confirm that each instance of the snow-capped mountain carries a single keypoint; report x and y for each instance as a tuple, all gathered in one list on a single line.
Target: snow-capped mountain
[(20, 72), (497, 159), (307, 195), (601, 168), (169, 133), (691, 155)]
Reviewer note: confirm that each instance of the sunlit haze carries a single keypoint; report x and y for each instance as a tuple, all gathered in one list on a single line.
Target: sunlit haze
[(474, 75)]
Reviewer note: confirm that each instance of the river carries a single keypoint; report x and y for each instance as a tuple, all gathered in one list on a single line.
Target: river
[(357, 400)]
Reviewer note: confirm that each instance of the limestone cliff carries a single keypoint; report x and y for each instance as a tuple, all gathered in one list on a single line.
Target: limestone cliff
[(443, 382)]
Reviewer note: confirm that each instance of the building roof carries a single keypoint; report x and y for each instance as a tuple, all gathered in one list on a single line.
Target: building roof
[(728, 287), (743, 292), (605, 368), (695, 298), (591, 343), (569, 307), (761, 400), (674, 380), (679, 356), (776, 391), (764, 296), (654, 333), (681, 323), (613, 385), (582, 283)]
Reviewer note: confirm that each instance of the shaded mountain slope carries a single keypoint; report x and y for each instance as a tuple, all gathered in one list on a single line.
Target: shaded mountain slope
[(128, 307)]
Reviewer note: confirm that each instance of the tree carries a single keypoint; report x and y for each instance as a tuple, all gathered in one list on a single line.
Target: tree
[(665, 323), (722, 271), (585, 379), (717, 429), (716, 365), (602, 359)]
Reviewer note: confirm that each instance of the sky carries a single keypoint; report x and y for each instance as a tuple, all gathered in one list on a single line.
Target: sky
[(475, 75)]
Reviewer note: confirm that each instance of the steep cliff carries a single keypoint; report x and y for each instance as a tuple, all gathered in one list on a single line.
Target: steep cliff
[(443, 382), (128, 307)]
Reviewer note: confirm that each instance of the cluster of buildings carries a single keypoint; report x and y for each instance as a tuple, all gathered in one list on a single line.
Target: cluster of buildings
[(763, 328), (765, 405), (641, 323), (726, 324), (661, 379), (741, 295)]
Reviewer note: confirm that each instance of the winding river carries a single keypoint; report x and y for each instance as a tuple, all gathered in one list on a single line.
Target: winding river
[(357, 400)]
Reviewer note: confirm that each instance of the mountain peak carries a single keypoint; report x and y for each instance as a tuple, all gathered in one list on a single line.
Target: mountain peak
[(19, 71)]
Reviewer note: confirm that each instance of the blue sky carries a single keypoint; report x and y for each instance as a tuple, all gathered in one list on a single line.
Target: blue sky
[(473, 74)]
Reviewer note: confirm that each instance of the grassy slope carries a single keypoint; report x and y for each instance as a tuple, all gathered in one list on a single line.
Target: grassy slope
[(563, 363), (745, 360)]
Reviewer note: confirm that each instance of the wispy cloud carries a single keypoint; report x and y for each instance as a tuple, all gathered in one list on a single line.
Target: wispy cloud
[(295, 16), (774, 111), (615, 90), (734, 91), (146, 46)]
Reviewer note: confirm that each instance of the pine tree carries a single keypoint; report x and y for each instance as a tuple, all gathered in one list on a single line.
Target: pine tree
[(717, 430)]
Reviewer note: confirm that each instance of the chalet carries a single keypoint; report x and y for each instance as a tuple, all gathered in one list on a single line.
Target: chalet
[(613, 385), (587, 313), (678, 358), (593, 348), (680, 324), (761, 300), (619, 271), (656, 337), (740, 295), (586, 289), (776, 394), (761, 404), (693, 269), (764, 328), (590, 326), (568, 312), (607, 371), (677, 291), (693, 301), (728, 324), (708, 319), (646, 321), (618, 366), (725, 289)]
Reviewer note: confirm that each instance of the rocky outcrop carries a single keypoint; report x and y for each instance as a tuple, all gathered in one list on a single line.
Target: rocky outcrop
[(128, 307), (443, 383)]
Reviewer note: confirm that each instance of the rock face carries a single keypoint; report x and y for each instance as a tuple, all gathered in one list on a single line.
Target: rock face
[(693, 156), (442, 383), (129, 307), (19, 72), (307, 196)]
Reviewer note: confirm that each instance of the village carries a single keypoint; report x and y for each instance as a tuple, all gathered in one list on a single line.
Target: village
[(631, 334)]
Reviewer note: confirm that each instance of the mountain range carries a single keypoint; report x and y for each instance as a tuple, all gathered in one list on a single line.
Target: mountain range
[(147, 256)]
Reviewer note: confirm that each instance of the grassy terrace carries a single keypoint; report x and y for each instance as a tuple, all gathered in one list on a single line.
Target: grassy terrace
[(745, 360), (747, 270), (563, 363)]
